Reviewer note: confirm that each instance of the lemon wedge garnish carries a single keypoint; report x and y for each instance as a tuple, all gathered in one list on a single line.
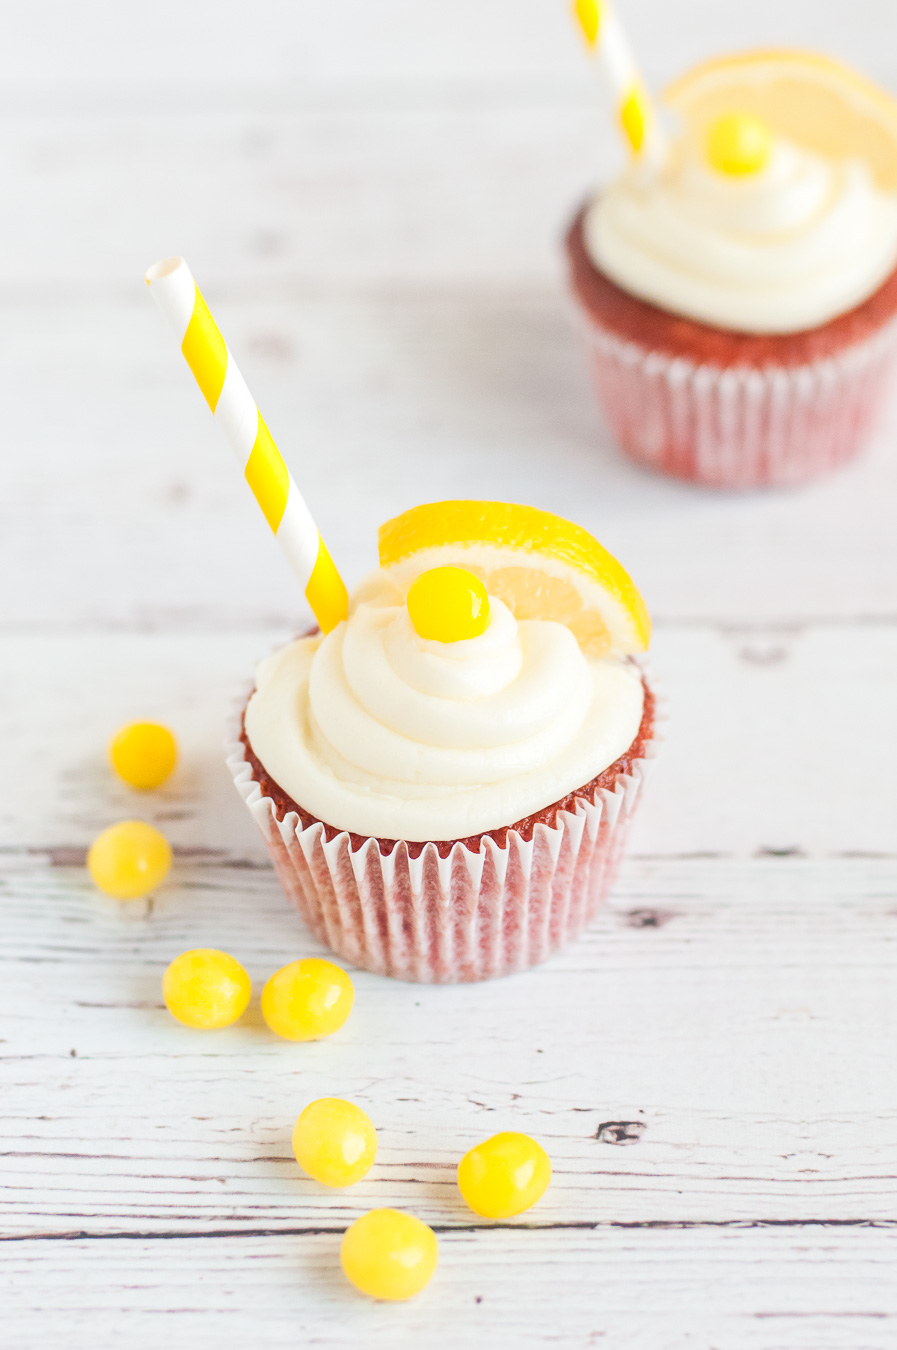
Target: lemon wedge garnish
[(540, 565), (813, 100)]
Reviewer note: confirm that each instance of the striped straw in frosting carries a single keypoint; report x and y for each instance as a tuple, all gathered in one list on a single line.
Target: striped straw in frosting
[(604, 32), (176, 293)]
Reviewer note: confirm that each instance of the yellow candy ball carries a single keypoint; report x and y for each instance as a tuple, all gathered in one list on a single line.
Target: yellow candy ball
[(129, 859), (389, 1255), (143, 754), (504, 1175), (307, 999), (206, 989), (448, 604), (738, 144), (335, 1142)]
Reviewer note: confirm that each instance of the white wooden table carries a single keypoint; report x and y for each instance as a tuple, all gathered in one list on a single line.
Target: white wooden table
[(371, 197)]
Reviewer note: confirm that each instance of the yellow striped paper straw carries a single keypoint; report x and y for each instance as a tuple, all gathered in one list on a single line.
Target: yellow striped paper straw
[(224, 389), (603, 32)]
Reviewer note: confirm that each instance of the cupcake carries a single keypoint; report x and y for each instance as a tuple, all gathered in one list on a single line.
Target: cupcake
[(446, 779), (739, 291)]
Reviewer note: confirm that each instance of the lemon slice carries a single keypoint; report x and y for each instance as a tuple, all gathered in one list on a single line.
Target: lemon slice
[(541, 566), (813, 100)]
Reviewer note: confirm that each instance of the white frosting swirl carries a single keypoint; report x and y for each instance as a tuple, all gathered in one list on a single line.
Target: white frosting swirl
[(778, 251), (376, 730)]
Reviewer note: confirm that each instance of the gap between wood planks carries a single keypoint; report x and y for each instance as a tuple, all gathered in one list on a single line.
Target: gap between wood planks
[(574, 1225)]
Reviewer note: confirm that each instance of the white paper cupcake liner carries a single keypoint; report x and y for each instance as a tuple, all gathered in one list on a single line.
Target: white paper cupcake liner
[(468, 916), (740, 427)]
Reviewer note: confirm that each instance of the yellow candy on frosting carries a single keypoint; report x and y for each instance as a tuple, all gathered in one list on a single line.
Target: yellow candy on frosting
[(448, 604), (739, 144)]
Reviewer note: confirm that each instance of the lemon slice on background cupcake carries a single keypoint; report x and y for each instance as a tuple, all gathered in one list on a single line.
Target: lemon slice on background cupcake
[(813, 100)]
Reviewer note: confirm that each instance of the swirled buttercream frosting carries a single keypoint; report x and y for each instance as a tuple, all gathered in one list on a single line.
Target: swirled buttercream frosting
[(376, 730), (778, 251)]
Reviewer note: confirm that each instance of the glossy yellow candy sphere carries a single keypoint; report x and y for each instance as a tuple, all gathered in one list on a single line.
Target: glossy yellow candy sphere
[(206, 989), (307, 999), (389, 1255), (129, 859), (448, 604), (504, 1175), (335, 1142), (738, 144), (143, 754)]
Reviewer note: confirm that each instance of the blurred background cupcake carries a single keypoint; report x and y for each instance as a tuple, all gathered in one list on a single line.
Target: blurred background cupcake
[(738, 280)]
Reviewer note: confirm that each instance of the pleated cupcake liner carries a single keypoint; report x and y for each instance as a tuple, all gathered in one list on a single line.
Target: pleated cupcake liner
[(740, 427), (467, 916)]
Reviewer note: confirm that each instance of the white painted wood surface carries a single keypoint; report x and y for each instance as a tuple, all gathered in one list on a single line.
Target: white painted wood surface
[(371, 196)]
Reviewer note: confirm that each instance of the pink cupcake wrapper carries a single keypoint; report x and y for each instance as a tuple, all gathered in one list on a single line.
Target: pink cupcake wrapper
[(469, 916), (740, 427)]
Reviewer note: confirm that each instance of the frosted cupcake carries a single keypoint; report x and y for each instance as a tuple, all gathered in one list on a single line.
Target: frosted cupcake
[(445, 781), (740, 290)]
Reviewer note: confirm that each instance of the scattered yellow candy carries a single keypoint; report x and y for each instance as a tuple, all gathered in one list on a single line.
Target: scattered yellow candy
[(448, 604), (307, 999), (389, 1255), (335, 1142), (129, 859), (206, 989), (738, 144), (504, 1175), (143, 754)]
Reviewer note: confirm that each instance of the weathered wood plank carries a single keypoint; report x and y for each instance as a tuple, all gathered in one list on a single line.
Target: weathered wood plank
[(744, 1289)]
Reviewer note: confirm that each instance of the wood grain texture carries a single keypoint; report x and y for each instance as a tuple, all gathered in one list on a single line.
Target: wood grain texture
[(650, 1289), (372, 198), (647, 1289)]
